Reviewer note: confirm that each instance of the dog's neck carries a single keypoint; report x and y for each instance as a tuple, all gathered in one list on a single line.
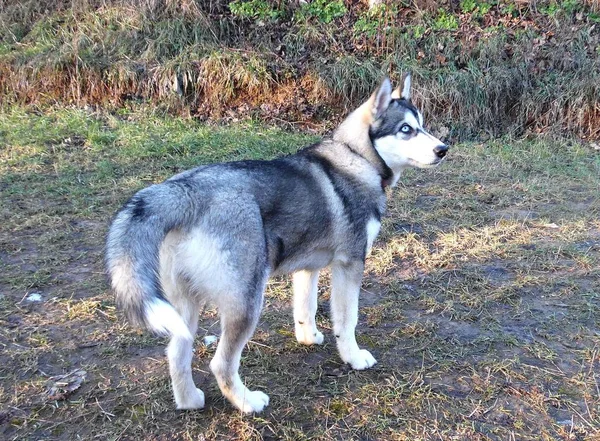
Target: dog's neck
[(354, 132)]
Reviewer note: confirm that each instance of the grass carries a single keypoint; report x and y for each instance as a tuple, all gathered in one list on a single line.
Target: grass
[(480, 299), (489, 68)]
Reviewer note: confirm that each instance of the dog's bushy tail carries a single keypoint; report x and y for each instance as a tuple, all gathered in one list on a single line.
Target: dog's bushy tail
[(132, 256)]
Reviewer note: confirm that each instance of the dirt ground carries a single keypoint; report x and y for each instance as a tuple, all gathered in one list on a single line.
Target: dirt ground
[(481, 303)]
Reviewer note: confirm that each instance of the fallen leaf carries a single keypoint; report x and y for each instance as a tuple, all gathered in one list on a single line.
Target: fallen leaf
[(61, 386), (34, 297), (552, 225), (209, 340)]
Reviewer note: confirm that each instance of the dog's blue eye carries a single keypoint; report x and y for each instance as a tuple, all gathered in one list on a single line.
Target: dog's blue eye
[(406, 129)]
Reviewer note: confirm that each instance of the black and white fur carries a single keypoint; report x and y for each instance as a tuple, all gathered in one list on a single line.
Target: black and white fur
[(216, 234)]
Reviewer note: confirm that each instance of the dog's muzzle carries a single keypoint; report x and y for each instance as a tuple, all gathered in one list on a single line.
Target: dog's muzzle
[(440, 151)]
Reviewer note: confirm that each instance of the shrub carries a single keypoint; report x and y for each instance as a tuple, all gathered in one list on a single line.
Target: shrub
[(324, 10), (445, 22), (254, 9)]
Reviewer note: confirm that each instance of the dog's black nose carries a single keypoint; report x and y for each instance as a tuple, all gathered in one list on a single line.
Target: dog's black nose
[(440, 151)]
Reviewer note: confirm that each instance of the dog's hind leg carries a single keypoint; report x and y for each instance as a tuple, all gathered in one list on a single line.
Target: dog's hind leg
[(180, 352), (305, 307), (238, 321), (181, 349), (345, 281)]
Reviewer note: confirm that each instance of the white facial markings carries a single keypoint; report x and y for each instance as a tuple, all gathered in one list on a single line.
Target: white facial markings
[(420, 118), (400, 151)]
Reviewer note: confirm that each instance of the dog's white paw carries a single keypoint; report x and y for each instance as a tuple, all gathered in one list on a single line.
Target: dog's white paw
[(253, 402), (361, 360), (309, 336), (193, 400)]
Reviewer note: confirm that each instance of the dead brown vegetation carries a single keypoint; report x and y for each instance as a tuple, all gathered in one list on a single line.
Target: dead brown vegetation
[(485, 68)]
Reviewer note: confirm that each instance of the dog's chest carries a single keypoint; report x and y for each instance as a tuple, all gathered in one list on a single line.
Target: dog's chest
[(373, 226)]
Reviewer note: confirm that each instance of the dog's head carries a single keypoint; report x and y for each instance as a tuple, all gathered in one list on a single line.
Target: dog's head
[(396, 130)]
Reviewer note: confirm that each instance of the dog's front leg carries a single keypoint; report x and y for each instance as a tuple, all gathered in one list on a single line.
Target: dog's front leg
[(345, 280), (305, 307)]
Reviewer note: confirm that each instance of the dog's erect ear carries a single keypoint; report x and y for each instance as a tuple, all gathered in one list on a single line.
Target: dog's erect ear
[(406, 88), (405, 92), (382, 98)]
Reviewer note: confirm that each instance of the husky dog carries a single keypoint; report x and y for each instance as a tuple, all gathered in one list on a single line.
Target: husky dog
[(216, 233)]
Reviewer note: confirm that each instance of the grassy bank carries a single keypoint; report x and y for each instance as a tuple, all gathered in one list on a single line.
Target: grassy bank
[(482, 68), (480, 301)]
